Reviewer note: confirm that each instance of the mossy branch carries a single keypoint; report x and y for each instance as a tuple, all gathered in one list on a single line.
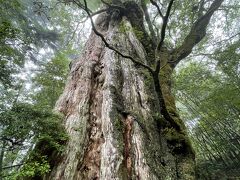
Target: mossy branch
[(196, 34)]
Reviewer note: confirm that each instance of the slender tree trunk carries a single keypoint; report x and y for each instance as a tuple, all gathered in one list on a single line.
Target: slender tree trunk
[(1, 159), (113, 117)]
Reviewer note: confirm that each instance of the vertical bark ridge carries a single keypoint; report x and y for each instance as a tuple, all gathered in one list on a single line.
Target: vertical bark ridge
[(123, 82), (90, 165), (80, 103)]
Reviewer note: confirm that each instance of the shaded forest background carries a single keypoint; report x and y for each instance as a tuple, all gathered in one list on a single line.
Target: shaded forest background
[(40, 39)]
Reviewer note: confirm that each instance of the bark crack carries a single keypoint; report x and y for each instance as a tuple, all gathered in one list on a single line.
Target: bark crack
[(128, 130), (89, 167)]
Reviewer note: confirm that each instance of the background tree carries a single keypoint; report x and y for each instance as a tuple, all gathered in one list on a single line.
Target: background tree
[(21, 34), (27, 62), (24, 123), (51, 80), (210, 107)]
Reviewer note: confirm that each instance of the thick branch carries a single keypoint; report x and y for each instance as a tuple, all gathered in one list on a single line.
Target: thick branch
[(163, 32), (158, 8), (197, 33), (165, 21), (111, 47), (12, 166), (150, 25)]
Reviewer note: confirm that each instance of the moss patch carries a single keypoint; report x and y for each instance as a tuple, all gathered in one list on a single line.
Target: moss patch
[(178, 142)]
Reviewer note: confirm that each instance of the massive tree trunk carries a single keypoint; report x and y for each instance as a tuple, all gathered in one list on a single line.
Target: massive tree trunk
[(113, 110)]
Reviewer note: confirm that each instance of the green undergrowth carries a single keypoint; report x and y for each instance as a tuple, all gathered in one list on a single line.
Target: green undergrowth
[(49, 146)]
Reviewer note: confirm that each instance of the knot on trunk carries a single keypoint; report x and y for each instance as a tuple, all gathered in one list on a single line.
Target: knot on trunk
[(129, 9)]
